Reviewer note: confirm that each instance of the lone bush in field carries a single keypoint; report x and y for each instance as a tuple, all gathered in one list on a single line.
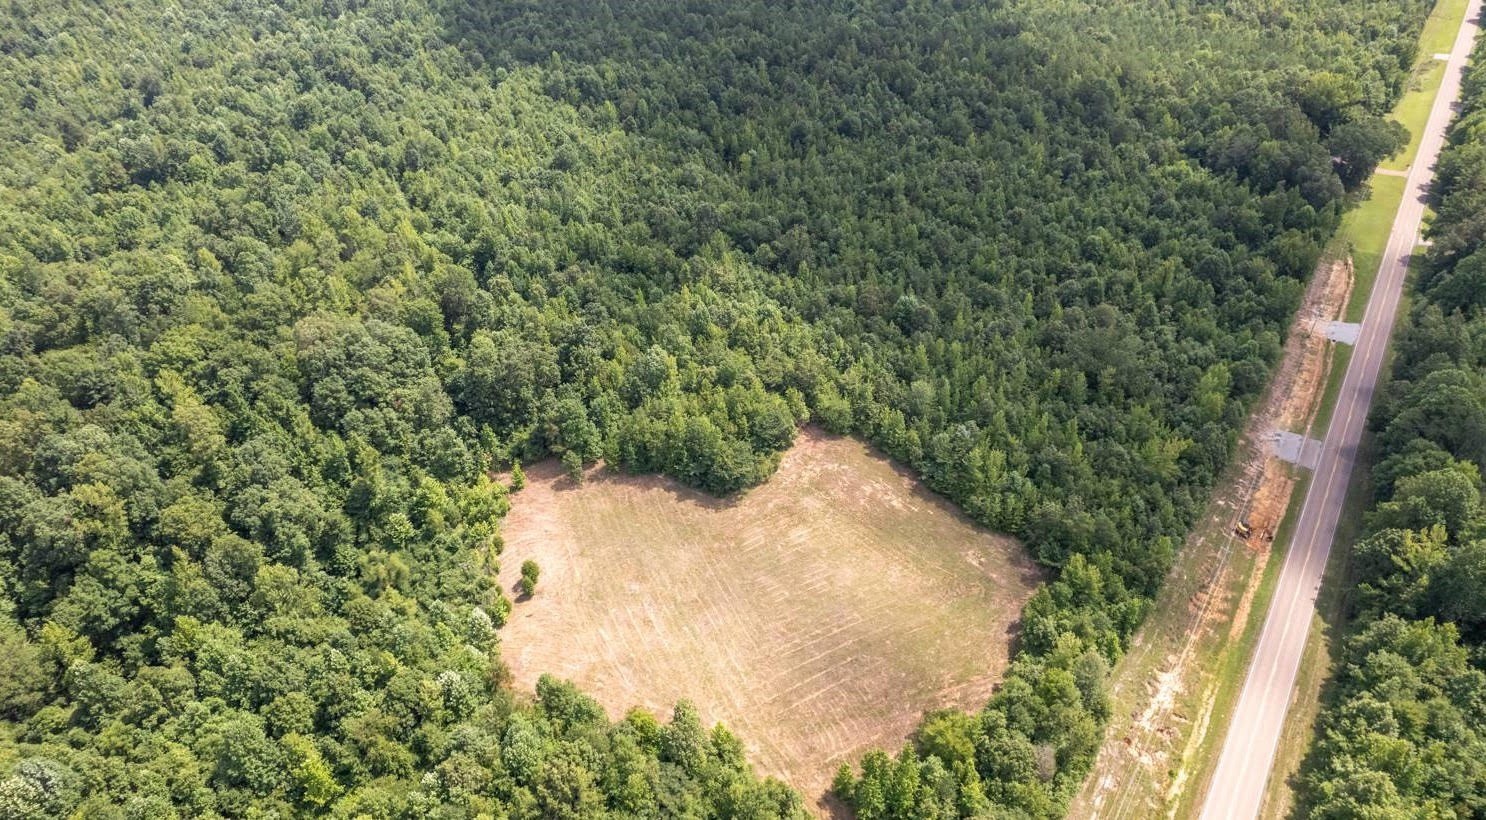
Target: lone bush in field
[(529, 573), (518, 476), (572, 464)]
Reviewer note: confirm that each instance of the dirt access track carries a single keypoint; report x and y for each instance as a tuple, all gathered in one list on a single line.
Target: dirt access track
[(817, 616)]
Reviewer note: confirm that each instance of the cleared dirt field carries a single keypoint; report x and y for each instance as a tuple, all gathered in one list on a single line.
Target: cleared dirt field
[(817, 616)]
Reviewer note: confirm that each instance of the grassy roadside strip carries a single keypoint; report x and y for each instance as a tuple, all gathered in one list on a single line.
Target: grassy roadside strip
[(1206, 703), (1364, 235), (1341, 356), (1328, 628), (1412, 110), (1329, 623), (1202, 756), (1364, 232), (1441, 27)]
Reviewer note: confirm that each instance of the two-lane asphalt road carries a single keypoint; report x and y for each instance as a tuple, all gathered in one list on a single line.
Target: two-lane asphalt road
[(1238, 785)]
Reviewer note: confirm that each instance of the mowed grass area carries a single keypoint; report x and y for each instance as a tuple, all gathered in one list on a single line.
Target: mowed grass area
[(1365, 228), (1442, 27), (1365, 231), (817, 616), (1413, 109), (1322, 647), (1364, 235)]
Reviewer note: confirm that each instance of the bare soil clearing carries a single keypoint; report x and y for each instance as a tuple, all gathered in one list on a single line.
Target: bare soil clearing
[(817, 616)]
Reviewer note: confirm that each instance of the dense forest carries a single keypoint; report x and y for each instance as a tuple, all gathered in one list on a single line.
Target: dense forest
[(283, 284), (1403, 731)]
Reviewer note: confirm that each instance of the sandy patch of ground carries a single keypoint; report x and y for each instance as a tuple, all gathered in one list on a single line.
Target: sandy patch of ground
[(817, 616)]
